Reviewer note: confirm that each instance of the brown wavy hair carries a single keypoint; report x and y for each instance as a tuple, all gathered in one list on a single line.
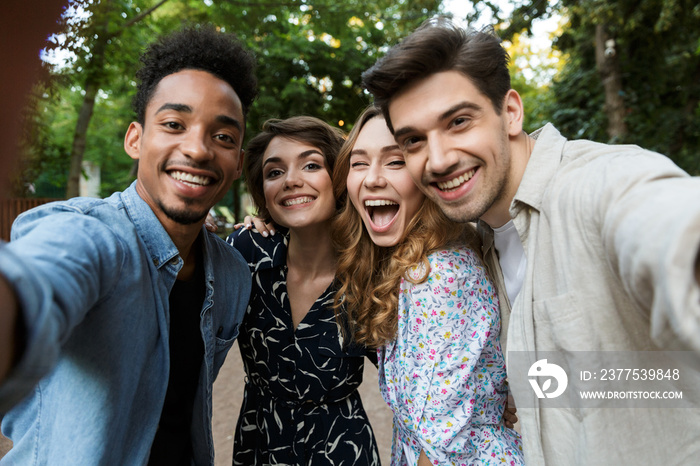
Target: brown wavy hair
[(369, 276)]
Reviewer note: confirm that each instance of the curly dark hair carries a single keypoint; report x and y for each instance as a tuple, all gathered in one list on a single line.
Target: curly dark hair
[(441, 45), (197, 48), (306, 129)]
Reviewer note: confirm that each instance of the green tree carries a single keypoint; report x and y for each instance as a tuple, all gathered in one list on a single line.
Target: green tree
[(93, 35), (310, 56), (632, 72)]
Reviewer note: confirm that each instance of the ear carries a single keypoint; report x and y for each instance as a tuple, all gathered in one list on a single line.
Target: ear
[(514, 113), (132, 140)]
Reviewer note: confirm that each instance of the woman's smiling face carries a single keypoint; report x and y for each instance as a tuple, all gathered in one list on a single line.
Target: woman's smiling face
[(379, 185), (297, 186)]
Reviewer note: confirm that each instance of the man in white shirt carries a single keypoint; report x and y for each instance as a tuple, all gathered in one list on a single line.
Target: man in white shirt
[(595, 247)]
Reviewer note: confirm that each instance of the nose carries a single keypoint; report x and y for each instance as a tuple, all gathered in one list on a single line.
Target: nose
[(374, 177), (195, 145), (293, 179), (441, 159)]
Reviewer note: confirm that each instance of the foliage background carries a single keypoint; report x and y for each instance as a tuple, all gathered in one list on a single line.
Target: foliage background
[(311, 55)]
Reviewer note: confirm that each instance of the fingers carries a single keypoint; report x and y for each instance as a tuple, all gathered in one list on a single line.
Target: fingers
[(265, 229), (509, 416), (210, 223)]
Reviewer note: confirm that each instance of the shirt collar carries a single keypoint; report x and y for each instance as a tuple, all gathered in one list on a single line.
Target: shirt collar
[(160, 246), (541, 167)]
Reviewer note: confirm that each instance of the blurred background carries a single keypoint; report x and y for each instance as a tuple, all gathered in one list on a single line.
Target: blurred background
[(611, 71)]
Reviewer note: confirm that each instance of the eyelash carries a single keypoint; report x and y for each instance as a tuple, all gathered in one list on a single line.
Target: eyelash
[(313, 166)]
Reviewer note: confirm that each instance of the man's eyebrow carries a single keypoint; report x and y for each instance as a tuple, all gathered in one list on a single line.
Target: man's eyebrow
[(227, 120), (177, 107), (457, 107), (444, 116), (183, 108)]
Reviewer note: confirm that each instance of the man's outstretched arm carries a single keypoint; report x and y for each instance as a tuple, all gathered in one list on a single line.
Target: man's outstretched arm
[(9, 313)]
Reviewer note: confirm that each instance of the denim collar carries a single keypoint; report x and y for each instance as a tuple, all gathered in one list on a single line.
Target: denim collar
[(160, 246)]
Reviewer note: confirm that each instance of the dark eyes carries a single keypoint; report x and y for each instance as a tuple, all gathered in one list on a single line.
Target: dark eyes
[(172, 125), (312, 166), (225, 138), (410, 141), (273, 173), (460, 121)]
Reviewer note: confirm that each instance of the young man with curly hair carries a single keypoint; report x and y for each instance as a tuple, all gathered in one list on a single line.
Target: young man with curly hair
[(125, 307), (593, 247)]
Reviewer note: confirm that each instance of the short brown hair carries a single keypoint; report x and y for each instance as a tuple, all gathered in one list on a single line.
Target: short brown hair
[(440, 45), (305, 129)]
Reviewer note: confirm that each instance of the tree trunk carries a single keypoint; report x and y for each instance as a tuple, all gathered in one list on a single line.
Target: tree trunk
[(92, 85), (79, 140), (609, 69), (236, 201), (687, 114)]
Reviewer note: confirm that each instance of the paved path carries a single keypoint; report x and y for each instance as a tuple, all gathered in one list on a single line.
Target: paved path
[(228, 392)]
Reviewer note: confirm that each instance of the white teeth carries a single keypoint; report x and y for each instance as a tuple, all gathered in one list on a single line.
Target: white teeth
[(298, 200), (379, 202), (189, 178), (453, 183)]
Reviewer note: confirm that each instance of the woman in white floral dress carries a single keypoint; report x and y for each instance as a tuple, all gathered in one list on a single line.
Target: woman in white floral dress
[(441, 368)]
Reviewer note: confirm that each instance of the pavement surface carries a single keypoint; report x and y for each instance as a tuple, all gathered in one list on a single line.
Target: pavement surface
[(228, 394)]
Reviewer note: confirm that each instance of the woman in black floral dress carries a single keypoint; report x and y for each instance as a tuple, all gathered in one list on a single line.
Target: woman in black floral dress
[(301, 405)]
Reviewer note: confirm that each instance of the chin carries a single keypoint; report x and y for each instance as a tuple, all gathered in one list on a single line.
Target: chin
[(384, 242), (185, 216)]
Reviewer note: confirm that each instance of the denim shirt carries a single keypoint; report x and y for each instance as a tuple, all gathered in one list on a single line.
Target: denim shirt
[(93, 278)]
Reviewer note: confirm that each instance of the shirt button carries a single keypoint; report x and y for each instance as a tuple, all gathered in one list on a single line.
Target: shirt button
[(219, 331)]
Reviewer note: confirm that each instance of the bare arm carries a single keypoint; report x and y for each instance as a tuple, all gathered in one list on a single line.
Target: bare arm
[(8, 323), (423, 460)]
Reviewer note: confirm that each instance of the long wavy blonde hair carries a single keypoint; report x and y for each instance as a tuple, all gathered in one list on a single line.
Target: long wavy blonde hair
[(369, 276)]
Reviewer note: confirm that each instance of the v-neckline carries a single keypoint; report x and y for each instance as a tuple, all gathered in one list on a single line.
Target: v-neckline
[(287, 305)]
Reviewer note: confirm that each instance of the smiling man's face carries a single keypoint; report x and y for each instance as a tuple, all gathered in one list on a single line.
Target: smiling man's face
[(189, 147), (456, 146)]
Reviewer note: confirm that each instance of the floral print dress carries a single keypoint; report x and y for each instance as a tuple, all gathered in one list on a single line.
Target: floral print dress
[(444, 375)]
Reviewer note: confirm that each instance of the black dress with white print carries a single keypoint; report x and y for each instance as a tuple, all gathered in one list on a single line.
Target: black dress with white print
[(301, 405)]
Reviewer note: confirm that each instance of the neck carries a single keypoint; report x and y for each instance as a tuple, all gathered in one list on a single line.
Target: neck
[(520, 149), (312, 249), (185, 239)]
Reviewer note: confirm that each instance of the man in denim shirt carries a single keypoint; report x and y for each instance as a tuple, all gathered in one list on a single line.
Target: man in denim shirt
[(125, 307)]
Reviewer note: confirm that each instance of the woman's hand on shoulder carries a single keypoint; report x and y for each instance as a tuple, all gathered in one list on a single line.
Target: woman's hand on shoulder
[(265, 229), (210, 223)]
